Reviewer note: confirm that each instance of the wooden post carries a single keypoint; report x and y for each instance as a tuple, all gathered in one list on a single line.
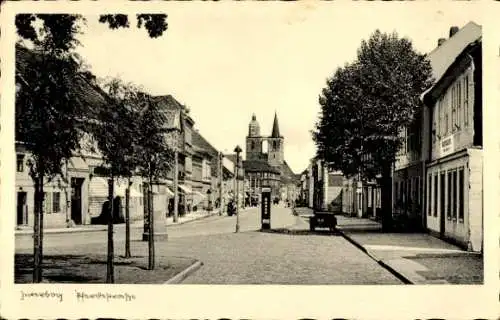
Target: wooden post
[(110, 277), (176, 183), (127, 219), (37, 230), (151, 243)]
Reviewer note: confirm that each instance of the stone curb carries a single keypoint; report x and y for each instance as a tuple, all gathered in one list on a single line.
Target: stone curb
[(358, 245), (81, 230), (185, 273)]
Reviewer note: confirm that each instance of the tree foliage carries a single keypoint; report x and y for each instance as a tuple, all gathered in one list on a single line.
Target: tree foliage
[(155, 24), (63, 28), (116, 129), (154, 154), (48, 109), (367, 102)]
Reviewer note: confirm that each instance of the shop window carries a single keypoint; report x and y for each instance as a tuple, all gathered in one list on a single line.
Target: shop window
[(442, 197), (454, 202), (429, 195), (461, 187), (417, 190), (409, 192), (56, 202), (449, 212), (435, 195)]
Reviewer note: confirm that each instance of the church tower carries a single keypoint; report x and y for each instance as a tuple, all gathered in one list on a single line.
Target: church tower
[(253, 140), (276, 145)]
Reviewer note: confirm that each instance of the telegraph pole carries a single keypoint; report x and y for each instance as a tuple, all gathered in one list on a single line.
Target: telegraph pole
[(237, 150), (176, 177), (221, 180)]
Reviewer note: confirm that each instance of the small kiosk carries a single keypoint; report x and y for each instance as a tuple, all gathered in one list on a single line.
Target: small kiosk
[(265, 208)]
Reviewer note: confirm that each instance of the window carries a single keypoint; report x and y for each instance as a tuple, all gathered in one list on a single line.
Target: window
[(461, 187), (438, 124), (56, 202), (466, 101), (47, 202), (450, 200), (459, 105), (442, 197), (454, 202), (20, 162), (252, 145), (408, 192), (453, 106), (429, 195), (446, 123), (435, 195)]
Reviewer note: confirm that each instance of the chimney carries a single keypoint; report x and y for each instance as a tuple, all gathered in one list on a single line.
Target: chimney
[(453, 30), (441, 41)]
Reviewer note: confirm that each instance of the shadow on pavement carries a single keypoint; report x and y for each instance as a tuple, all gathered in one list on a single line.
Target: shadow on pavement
[(301, 232)]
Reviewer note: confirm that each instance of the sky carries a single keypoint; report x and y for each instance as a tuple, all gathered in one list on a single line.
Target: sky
[(227, 63)]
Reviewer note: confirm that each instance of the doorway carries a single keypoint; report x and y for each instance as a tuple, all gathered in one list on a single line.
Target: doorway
[(76, 200), (22, 211)]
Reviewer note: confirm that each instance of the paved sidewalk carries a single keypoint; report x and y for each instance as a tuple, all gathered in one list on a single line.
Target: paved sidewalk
[(134, 224), (416, 258)]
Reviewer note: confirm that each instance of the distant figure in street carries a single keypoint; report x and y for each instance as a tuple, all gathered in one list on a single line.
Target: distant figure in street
[(170, 207), (103, 218)]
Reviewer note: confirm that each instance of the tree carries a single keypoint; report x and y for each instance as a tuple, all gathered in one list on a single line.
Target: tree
[(114, 133), (365, 104), (49, 114), (155, 156), (51, 111), (64, 27)]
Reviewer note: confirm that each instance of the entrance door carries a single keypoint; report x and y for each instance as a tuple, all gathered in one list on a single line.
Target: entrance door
[(21, 208), (76, 200)]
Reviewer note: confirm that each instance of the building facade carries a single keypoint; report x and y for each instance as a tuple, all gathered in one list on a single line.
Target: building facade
[(268, 167), (454, 161), (80, 193), (408, 196)]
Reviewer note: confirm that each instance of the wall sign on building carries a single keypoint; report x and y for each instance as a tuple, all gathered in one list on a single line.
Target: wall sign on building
[(446, 146)]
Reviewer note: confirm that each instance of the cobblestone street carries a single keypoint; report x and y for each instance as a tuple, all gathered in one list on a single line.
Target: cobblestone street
[(262, 258), (248, 257)]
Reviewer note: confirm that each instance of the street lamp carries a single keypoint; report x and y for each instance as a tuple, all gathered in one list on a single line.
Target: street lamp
[(177, 131), (238, 151), (221, 181)]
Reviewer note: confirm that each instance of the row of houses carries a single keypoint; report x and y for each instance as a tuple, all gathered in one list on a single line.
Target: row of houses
[(79, 195), (438, 173)]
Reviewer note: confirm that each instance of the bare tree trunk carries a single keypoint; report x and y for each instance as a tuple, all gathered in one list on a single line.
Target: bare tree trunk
[(151, 242), (127, 220), (386, 197), (110, 277), (38, 230)]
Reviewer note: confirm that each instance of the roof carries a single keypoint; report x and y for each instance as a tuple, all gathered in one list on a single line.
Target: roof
[(201, 144), (287, 174), (89, 94), (231, 157), (259, 166), (276, 128), (443, 56), (172, 105)]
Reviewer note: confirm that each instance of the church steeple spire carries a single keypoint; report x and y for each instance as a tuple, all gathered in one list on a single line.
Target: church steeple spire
[(276, 129)]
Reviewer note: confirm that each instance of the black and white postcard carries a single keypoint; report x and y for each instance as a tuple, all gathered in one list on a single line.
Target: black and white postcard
[(249, 160)]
